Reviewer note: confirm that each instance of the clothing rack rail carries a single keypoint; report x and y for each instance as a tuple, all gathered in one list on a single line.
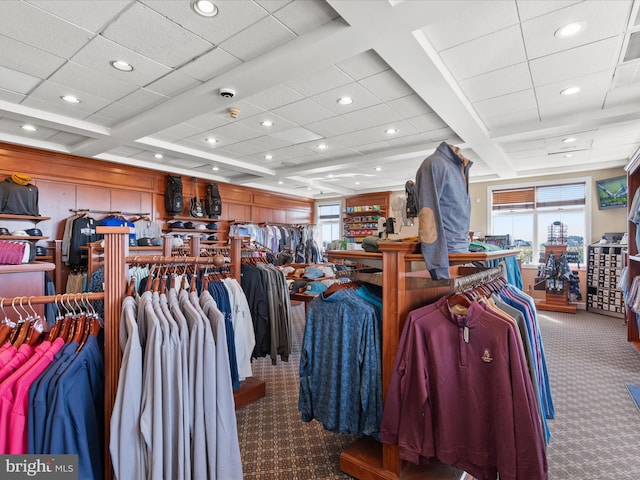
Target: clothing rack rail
[(116, 256), (108, 212)]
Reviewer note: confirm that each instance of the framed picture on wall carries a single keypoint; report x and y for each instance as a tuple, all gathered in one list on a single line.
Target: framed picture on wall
[(612, 192)]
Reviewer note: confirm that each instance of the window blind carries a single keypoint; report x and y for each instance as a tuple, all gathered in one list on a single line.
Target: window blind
[(528, 198)]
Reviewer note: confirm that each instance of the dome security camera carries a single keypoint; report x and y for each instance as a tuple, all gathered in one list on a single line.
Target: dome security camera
[(227, 92)]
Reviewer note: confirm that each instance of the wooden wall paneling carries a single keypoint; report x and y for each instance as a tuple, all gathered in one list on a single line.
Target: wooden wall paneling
[(237, 211), (125, 201), (146, 204), (235, 194), (299, 216), (95, 198), (55, 199), (278, 216), (261, 214)]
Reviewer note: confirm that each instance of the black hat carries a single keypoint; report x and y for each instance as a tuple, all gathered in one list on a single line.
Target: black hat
[(34, 232), (40, 250), (213, 238), (132, 241), (145, 242), (177, 224), (4, 231), (212, 226), (189, 225)]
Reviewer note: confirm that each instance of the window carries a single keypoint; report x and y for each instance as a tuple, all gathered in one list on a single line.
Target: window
[(530, 215), (328, 224)]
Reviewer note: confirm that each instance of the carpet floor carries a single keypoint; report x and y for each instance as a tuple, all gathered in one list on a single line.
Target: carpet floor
[(595, 435)]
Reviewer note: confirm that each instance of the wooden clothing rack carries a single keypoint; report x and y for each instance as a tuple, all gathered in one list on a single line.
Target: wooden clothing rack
[(405, 287), (116, 259)]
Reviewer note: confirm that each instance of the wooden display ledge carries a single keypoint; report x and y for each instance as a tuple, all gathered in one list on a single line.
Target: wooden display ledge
[(556, 303), (251, 389), (363, 460), (12, 216)]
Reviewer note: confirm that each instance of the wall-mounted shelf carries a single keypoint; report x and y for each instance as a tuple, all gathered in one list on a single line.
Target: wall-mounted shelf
[(33, 218), (22, 237)]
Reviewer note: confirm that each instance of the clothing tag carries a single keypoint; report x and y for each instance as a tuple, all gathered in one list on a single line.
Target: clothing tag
[(465, 334)]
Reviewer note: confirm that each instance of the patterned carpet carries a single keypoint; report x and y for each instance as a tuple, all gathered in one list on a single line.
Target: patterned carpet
[(595, 436)]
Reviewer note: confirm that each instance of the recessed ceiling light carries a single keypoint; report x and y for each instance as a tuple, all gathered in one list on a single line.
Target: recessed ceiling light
[(357, 183), (280, 182), (210, 140), (569, 29), (308, 188), (122, 66), (29, 128), (330, 175), (215, 169), (568, 155), (70, 99), (158, 156), (570, 91), (568, 139), (391, 131), (204, 8), (378, 169), (266, 123), (344, 101), (322, 146), (268, 156)]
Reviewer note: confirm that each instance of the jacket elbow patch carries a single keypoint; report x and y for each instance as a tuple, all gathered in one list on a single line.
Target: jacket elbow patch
[(427, 226)]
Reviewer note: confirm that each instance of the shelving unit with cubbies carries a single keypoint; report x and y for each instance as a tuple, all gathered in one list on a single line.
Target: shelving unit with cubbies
[(361, 215), (605, 262)]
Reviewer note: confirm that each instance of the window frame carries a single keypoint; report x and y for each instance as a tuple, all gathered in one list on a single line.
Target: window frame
[(588, 187), (318, 231)]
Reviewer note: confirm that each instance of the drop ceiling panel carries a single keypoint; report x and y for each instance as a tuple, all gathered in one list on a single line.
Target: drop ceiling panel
[(274, 97), (210, 64), (575, 63), (414, 139), (593, 89), (521, 119), (480, 18), (511, 147), (85, 79), (352, 139), (92, 16), (66, 139), (148, 32), (372, 116), (232, 17), (528, 9), (183, 163), (404, 128), (332, 126), (50, 92), (409, 106), (296, 135), (625, 96), (363, 65), (207, 121), (303, 16), (259, 38), (27, 59), (17, 82), (603, 19), (499, 82), (506, 104), (100, 52), (268, 143), (279, 123), (9, 96), (236, 131), (9, 125), (239, 149), (272, 5), (173, 83), (291, 153), (320, 81), (35, 27), (428, 122), (471, 59), (303, 112), (386, 85), (141, 99), (361, 97)]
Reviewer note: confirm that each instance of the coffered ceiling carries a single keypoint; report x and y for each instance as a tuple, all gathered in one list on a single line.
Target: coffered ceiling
[(486, 76)]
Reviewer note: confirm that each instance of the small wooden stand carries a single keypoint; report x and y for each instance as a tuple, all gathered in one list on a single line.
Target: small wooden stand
[(556, 302)]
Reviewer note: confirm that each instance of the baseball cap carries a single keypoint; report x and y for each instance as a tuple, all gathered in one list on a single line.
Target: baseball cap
[(316, 287), (313, 272), (177, 224), (20, 178)]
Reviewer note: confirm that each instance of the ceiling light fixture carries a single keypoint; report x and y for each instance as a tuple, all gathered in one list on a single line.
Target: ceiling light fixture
[(568, 139), (344, 101), (158, 156), (215, 169), (210, 140), (391, 131), (568, 155), (569, 29), (204, 8), (570, 91), (29, 128), (266, 123), (378, 169), (122, 66), (357, 183), (268, 156), (280, 182), (322, 146), (70, 99)]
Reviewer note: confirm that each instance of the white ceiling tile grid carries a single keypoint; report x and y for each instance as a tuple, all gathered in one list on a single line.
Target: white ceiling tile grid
[(494, 70)]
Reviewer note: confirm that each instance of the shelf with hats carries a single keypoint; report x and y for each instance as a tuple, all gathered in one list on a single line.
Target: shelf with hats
[(191, 230), (193, 219), (30, 238), (33, 218)]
